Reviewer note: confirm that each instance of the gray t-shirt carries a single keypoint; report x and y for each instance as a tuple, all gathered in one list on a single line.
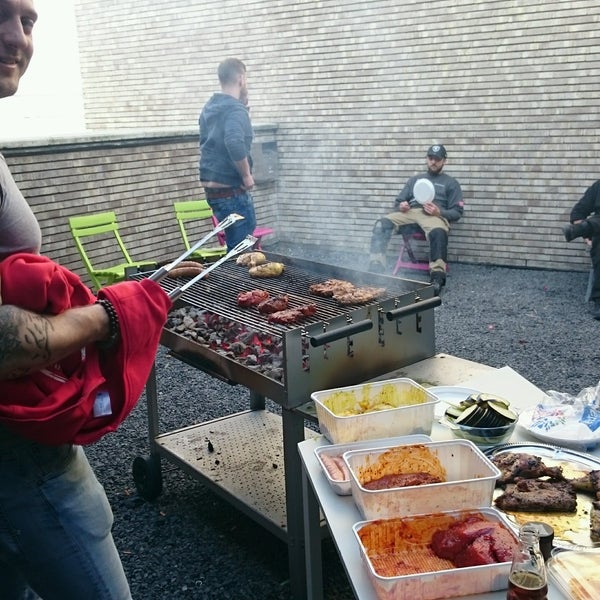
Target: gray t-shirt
[(19, 229)]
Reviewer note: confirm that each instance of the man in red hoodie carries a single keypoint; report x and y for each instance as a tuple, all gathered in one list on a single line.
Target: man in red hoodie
[(55, 519)]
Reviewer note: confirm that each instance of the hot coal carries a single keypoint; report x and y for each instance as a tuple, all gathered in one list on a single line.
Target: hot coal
[(262, 352)]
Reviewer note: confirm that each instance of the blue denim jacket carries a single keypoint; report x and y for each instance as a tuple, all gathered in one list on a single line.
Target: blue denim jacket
[(225, 138)]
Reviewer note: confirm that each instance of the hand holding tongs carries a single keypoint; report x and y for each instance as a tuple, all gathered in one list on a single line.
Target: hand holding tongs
[(224, 224), (247, 242)]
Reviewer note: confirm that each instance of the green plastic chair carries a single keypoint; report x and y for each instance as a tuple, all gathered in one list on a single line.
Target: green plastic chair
[(196, 216), (104, 229)]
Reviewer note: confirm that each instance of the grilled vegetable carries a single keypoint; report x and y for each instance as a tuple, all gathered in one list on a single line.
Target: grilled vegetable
[(481, 410), (270, 269)]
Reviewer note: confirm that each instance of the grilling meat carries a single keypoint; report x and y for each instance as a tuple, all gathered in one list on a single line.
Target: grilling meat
[(186, 268), (329, 288), (292, 315), (518, 465), (273, 305), (535, 495), (359, 295), (397, 480), (474, 541), (345, 292), (252, 298)]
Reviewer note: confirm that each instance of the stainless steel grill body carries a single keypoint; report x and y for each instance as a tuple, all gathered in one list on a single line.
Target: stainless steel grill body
[(339, 345)]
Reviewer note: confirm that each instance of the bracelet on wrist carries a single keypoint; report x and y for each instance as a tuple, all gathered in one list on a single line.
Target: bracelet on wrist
[(113, 324)]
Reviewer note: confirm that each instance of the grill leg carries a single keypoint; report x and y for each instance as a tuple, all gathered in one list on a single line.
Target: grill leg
[(257, 401), (293, 434)]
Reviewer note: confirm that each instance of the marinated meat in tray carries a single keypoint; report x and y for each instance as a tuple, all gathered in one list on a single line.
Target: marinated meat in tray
[(474, 541)]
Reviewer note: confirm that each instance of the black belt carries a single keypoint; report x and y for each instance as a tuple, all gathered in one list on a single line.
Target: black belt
[(228, 192)]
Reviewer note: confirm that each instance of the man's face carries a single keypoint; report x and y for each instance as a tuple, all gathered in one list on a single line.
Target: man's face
[(17, 18), (435, 164)]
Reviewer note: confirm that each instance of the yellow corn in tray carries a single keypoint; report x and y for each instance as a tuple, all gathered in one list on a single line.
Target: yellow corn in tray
[(348, 403)]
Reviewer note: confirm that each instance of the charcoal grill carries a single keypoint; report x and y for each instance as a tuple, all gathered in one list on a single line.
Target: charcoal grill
[(339, 345)]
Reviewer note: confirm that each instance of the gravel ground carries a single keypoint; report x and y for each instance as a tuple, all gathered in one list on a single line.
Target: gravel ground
[(191, 545)]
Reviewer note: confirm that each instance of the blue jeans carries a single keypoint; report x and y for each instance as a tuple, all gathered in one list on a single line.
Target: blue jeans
[(55, 526), (242, 205)]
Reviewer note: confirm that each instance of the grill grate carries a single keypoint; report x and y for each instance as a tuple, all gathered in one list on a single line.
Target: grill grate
[(218, 292)]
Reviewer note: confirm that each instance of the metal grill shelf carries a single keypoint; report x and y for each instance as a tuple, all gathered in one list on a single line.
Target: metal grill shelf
[(241, 458)]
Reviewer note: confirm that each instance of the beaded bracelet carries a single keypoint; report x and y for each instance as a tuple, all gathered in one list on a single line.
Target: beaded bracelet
[(113, 323)]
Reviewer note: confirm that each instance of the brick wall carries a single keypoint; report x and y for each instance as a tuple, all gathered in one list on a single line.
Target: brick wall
[(137, 177), (360, 89)]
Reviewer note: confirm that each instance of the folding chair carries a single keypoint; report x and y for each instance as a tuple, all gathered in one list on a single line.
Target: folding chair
[(407, 257), (99, 231), (196, 216), (257, 233)]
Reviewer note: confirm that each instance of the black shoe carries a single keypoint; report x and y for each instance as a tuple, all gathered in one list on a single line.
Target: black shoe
[(595, 309), (438, 281), (574, 231), (376, 266)]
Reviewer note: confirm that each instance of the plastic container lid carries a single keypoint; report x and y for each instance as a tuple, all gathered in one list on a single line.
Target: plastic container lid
[(577, 573)]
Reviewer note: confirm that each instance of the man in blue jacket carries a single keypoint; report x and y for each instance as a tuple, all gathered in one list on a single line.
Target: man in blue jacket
[(225, 161), (585, 223)]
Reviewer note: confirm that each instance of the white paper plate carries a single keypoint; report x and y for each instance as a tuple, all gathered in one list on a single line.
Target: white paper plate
[(450, 394), (423, 191), (570, 433)]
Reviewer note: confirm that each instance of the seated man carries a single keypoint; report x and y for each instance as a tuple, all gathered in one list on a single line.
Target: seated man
[(585, 223), (433, 218)]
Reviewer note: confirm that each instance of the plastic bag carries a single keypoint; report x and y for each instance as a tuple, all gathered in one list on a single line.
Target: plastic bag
[(572, 421)]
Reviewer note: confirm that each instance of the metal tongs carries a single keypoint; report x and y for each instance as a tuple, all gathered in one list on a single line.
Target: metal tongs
[(224, 224), (247, 242)]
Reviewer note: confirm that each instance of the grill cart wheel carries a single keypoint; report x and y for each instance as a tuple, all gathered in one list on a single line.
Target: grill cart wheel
[(147, 476)]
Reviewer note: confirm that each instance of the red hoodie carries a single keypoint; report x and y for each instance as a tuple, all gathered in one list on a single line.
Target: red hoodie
[(90, 392)]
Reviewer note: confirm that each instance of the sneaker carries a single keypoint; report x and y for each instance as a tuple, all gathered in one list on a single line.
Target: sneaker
[(438, 281), (595, 309)]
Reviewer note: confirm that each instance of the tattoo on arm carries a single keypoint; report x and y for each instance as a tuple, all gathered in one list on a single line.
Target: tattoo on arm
[(24, 342)]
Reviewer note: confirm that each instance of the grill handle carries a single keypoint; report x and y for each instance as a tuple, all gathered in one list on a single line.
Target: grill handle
[(411, 309), (342, 332)]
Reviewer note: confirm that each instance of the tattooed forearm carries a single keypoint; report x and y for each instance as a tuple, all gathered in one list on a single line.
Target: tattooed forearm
[(24, 342)]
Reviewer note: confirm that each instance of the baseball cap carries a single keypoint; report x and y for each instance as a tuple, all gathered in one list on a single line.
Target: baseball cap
[(437, 150)]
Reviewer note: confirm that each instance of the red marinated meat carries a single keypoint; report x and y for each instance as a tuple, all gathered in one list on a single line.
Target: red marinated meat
[(273, 305), (252, 298), (474, 542), (447, 543), (503, 545), (292, 315), (397, 480), (478, 552)]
